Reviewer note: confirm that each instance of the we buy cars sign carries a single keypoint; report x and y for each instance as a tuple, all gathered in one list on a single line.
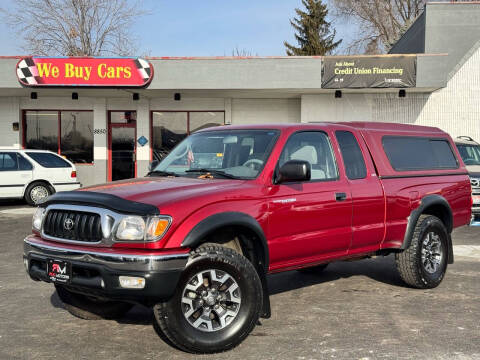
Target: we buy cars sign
[(84, 71)]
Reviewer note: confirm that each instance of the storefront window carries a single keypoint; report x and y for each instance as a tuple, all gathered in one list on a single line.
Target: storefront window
[(203, 120), (68, 133), (41, 130), (77, 136), (169, 128)]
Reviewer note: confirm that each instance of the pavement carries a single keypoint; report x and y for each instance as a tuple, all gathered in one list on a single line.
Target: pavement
[(353, 310)]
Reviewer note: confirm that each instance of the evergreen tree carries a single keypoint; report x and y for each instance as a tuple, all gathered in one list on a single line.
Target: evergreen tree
[(312, 31)]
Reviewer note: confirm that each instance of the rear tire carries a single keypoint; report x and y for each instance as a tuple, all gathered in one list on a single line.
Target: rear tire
[(424, 263), (88, 308), (313, 269), (217, 302), (36, 192)]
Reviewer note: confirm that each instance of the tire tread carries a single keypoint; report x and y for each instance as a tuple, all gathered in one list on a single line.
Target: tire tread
[(216, 253), (408, 262)]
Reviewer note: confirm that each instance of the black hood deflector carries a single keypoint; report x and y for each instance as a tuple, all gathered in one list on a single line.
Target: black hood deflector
[(102, 200)]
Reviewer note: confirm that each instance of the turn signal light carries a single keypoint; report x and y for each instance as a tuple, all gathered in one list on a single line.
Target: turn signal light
[(157, 226), (131, 282), (74, 174)]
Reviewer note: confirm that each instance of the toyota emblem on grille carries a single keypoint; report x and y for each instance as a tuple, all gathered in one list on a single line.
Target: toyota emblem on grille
[(475, 182), (68, 224)]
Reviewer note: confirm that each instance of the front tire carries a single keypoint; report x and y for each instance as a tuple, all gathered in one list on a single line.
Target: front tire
[(216, 304), (424, 263), (88, 308)]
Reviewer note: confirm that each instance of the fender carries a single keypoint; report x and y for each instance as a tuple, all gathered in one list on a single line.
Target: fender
[(428, 201), (216, 221)]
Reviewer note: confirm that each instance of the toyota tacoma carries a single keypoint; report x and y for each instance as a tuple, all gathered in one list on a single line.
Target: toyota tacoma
[(197, 237)]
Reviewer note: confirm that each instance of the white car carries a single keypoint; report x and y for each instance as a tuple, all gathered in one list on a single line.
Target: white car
[(34, 174)]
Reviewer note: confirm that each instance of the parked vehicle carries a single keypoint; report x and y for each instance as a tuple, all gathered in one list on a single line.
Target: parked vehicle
[(34, 174), (196, 244), (470, 152)]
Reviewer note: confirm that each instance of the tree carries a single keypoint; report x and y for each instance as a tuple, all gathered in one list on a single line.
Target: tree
[(380, 22), (237, 52), (313, 32), (75, 27)]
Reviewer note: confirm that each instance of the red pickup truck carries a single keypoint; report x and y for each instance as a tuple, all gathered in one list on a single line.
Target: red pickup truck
[(196, 238)]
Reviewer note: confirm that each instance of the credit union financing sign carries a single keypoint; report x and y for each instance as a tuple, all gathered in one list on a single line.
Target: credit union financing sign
[(108, 72), (352, 72)]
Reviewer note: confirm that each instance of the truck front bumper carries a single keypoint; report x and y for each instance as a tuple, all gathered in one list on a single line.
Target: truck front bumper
[(96, 272)]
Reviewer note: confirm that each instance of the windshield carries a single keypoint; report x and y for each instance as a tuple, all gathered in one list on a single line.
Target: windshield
[(239, 154), (470, 154)]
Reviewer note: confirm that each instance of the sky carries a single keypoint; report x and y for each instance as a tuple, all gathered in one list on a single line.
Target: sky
[(205, 28)]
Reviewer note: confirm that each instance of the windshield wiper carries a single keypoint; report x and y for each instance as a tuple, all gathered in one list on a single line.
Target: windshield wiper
[(213, 171), (162, 173)]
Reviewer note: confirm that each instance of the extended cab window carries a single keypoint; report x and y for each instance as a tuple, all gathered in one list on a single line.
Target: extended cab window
[(8, 162), (48, 160), (352, 155), (418, 153), (313, 147)]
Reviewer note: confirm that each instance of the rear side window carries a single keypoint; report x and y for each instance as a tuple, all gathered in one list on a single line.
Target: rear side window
[(24, 164), (48, 160), (355, 167), (8, 162), (418, 153)]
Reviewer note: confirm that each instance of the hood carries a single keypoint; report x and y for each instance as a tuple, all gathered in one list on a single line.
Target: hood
[(164, 190), (474, 171)]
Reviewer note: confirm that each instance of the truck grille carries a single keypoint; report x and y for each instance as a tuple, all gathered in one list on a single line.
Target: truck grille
[(475, 182), (73, 225)]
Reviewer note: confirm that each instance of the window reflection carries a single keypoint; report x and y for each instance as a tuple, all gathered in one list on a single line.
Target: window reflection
[(170, 128), (41, 130), (77, 136)]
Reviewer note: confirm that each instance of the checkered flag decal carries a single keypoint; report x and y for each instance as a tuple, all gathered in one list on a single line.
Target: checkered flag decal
[(143, 68), (27, 72)]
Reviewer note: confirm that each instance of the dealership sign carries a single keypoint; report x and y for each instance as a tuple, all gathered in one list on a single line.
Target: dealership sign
[(85, 71), (352, 72)]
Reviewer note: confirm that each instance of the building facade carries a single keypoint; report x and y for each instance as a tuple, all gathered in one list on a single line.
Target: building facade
[(114, 132)]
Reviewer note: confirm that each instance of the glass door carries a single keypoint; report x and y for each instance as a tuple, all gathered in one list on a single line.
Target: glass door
[(122, 146)]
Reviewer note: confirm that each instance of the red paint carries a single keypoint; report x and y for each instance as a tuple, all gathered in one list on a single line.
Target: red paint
[(85, 71), (315, 227)]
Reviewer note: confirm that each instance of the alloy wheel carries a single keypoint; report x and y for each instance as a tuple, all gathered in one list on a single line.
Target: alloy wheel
[(432, 252), (211, 300)]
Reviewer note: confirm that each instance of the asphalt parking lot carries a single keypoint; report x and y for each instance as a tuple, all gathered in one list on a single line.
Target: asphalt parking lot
[(354, 310)]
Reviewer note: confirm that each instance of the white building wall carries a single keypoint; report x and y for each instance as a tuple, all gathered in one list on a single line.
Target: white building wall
[(455, 108), (258, 111), (9, 113)]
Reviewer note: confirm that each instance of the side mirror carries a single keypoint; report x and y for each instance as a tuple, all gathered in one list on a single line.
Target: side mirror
[(293, 171), (153, 165)]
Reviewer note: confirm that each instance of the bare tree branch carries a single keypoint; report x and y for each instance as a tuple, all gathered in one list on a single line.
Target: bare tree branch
[(380, 22), (75, 27)]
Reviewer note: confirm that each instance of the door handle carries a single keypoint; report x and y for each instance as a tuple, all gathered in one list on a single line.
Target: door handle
[(340, 196)]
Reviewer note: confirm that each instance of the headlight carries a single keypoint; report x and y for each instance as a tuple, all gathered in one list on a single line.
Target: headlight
[(136, 228), (131, 228), (38, 218)]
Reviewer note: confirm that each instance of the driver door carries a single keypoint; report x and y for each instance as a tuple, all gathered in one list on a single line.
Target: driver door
[(309, 221)]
